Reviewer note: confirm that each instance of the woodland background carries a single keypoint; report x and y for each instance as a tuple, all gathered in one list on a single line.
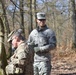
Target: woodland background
[(60, 16)]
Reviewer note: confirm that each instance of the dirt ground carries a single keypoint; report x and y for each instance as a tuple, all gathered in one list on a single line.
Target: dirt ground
[(63, 62)]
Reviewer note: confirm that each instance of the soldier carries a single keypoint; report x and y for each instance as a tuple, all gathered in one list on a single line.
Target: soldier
[(42, 40), (20, 62)]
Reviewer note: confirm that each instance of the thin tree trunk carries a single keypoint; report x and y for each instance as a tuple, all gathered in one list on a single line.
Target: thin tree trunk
[(14, 17), (30, 27), (34, 13), (22, 16), (73, 22)]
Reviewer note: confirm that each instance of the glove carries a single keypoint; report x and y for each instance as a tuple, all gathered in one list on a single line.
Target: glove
[(31, 45), (36, 49)]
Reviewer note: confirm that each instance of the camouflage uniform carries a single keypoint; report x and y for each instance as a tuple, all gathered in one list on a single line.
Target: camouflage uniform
[(21, 62), (44, 40)]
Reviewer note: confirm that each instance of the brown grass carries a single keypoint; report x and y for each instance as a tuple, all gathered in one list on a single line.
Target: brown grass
[(64, 53)]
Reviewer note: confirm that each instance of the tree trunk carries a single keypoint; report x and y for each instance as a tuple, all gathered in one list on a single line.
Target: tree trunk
[(73, 22), (22, 16), (4, 14), (30, 27), (34, 13), (2, 47), (14, 17), (6, 25)]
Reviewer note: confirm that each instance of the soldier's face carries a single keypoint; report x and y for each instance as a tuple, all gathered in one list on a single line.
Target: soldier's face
[(41, 22), (14, 42)]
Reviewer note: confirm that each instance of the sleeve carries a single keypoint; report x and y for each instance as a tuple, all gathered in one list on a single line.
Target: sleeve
[(29, 39), (30, 42), (22, 57), (19, 58), (51, 43)]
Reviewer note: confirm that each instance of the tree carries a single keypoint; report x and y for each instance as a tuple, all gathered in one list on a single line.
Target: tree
[(2, 47), (34, 13), (21, 3), (6, 23), (5, 16), (73, 22), (30, 27)]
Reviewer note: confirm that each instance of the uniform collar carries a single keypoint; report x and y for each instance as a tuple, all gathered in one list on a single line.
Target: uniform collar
[(42, 28)]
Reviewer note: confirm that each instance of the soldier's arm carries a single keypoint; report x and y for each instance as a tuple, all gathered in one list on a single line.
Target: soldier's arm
[(50, 46), (30, 39), (19, 58)]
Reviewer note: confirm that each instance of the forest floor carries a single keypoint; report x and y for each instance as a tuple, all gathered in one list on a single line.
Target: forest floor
[(63, 62)]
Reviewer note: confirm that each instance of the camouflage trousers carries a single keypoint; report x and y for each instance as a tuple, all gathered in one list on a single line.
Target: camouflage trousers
[(42, 68)]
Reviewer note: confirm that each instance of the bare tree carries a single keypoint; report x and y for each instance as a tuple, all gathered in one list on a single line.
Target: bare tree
[(22, 15), (6, 24), (5, 16), (2, 47), (30, 27), (34, 13), (73, 22)]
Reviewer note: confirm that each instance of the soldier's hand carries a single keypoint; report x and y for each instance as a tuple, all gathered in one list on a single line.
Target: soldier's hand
[(31, 43), (36, 49)]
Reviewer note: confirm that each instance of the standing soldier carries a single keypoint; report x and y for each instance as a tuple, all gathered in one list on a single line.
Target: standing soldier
[(42, 40), (20, 62)]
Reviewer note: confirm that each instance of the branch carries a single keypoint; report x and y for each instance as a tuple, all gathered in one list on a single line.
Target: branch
[(16, 5)]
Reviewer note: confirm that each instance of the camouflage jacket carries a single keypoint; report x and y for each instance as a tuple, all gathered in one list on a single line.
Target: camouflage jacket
[(45, 39), (19, 60)]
